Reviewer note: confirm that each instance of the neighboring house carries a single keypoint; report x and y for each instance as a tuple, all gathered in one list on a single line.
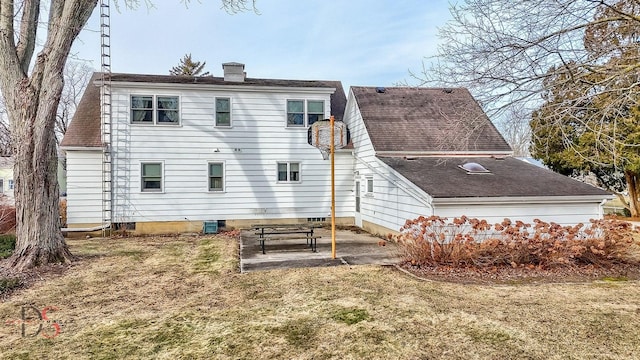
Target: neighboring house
[(422, 151), (193, 149), (185, 150), (6, 179)]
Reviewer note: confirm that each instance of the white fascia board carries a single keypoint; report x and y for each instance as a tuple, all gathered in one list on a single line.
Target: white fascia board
[(225, 87), (81, 148), (444, 153), (523, 199)]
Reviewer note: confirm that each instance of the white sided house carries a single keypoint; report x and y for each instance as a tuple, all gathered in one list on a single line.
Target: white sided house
[(175, 152), (422, 151), (184, 150)]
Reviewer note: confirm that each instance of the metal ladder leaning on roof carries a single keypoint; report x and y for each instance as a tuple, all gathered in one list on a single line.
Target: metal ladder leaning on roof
[(105, 114)]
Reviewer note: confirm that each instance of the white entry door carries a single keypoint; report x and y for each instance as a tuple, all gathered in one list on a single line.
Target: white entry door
[(358, 217)]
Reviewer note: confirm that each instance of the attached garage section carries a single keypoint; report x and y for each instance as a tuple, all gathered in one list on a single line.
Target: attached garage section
[(562, 211)]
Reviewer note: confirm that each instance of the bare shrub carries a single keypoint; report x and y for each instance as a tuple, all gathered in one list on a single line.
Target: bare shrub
[(434, 240), (7, 218), (63, 212)]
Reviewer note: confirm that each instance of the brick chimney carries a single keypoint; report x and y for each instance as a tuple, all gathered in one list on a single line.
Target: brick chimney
[(234, 72)]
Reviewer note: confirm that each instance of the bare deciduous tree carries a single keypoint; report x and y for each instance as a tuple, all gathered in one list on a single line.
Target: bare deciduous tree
[(5, 131), (76, 77), (509, 53), (32, 89)]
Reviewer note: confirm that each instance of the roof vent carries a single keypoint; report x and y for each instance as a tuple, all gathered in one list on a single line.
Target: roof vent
[(234, 72), (381, 90), (447, 91)]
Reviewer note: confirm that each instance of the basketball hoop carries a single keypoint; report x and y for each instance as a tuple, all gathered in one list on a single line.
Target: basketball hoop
[(319, 135)]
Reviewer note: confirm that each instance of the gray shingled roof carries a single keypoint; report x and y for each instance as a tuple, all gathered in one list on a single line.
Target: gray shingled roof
[(84, 130), (441, 177), (427, 120)]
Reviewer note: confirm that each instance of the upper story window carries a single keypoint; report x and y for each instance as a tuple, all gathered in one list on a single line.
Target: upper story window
[(369, 184), (288, 172), (315, 111), (149, 109), (1, 186), (301, 113), (223, 112)]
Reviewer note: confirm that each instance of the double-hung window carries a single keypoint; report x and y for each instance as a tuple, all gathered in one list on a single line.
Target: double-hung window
[(223, 112), (295, 113), (151, 177), (288, 172), (142, 109), (11, 184), (302, 113), (315, 111), (370, 185), (158, 110), (1, 186), (216, 176)]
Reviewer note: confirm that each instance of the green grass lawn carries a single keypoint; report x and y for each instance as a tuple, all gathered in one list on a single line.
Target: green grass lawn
[(182, 298)]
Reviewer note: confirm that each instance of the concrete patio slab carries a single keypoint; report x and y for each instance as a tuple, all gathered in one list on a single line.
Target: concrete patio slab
[(351, 249)]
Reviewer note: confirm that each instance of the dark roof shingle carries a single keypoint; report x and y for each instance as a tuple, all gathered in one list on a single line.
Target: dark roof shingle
[(441, 177), (427, 120), (84, 130)]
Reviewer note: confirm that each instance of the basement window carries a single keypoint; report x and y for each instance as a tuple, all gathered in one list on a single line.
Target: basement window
[(474, 168)]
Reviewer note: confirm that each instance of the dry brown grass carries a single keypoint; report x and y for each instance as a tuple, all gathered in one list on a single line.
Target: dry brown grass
[(182, 298)]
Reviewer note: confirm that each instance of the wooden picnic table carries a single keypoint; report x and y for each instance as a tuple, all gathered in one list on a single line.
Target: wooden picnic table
[(266, 232)]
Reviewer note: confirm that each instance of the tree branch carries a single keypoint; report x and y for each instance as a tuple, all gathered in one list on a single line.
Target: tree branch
[(27, 36)]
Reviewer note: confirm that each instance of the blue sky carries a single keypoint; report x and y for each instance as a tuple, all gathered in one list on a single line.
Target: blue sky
[(359, 42)]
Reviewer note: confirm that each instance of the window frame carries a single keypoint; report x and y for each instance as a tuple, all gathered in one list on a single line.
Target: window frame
[(215, 112), (304, 107), (305, 112), (222, 178), (142, 177), (288, 172), (155, 110), (132, 109), (11, 184), (308, 114), (369, 185), (1, 186)]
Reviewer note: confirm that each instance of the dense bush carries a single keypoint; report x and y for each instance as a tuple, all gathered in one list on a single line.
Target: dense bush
[(472, 242), (7, 245)]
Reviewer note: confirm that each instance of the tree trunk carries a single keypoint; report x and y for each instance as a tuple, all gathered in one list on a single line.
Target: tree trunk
[(39, 239), (633, 180), (32, 102)]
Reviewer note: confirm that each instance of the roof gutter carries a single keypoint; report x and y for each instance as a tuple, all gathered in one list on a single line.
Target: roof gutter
[(81, 148), (225, 87), (523, 199), (499, 154)]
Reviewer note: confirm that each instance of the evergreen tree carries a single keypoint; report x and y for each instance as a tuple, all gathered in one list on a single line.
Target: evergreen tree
[(593, 124), (189, 67)]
